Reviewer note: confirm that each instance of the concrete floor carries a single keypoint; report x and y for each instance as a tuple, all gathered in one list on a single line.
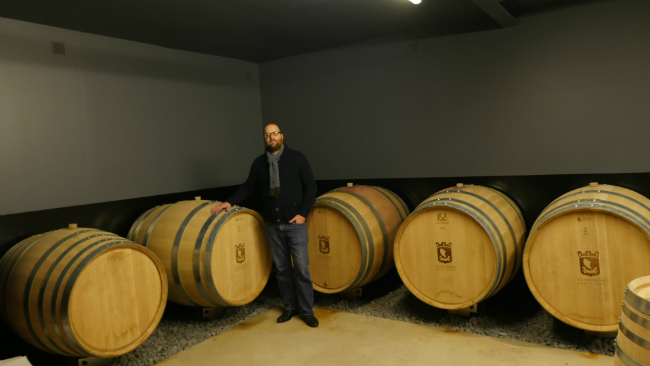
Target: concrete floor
[(351, 339)]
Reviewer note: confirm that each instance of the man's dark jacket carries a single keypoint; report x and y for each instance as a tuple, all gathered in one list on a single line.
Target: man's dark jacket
[(297, 187)]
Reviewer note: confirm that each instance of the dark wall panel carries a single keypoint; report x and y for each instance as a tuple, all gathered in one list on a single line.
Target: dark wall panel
[(562, 93)]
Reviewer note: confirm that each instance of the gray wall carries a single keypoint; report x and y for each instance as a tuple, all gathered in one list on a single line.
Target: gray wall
[(566, 91), (115, 119), (563, 92)]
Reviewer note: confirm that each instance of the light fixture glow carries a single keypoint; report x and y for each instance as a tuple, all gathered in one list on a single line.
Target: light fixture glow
[(415, 1)]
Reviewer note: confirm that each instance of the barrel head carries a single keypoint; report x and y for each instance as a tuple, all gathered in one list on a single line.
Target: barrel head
[(335, 252)]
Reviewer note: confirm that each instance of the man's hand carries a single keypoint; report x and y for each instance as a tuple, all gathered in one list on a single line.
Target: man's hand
[(225, 205), (298, 220)]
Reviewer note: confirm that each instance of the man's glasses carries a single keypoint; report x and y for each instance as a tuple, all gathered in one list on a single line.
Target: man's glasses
[(272, 134)]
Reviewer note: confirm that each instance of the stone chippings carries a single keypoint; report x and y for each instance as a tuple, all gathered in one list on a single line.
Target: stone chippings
[(533, 324), (180, 329), (502, 318)]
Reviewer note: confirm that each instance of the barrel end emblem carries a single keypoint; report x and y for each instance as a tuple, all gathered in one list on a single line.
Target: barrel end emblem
[(324, 244), (241, 252), (589, 263), (444, 252)]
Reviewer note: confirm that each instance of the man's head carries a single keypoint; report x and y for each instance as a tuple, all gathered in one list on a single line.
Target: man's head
[(273, 138)]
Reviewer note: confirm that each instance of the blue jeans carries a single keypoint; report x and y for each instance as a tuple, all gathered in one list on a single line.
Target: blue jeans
[(287, 241)]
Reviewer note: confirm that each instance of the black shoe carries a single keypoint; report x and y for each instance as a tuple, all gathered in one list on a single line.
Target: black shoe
[(287, 315), (310, 320)]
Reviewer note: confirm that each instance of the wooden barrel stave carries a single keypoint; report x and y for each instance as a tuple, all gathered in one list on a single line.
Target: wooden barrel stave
[(44, 298), (7, 263), (135, 228), (361, 223), (489, 212), (606, 225), (633, 340), (158, 232), (478, 215), (416, 263), (370, 235), (368, 204), (17, 288), (51, 317), (244, 290), (623, 359), (487, 223), (378, 227), (104, 260), (164, 237), (356, 252), (188, 239)]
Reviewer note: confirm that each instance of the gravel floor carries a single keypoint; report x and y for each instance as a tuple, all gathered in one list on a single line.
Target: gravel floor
[(513, 313)]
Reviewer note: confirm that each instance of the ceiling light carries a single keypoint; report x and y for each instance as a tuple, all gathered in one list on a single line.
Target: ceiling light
[(415, 1)]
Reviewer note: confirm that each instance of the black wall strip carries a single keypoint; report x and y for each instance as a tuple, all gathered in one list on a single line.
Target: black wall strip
[(530, 193)]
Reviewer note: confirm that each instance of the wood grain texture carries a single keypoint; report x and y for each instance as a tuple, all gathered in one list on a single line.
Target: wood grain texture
[(82, 292), (210, 260), (351, 236), (633, 340), (583, 250), (460, 246), (623, 359)]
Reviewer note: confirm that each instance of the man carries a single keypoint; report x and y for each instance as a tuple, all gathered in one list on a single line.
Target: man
[(289, 190)]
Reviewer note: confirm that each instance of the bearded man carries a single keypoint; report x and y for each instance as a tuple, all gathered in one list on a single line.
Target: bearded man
[(289, 190)]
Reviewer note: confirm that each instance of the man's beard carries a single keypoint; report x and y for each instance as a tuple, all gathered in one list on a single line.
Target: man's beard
[(273, 149)]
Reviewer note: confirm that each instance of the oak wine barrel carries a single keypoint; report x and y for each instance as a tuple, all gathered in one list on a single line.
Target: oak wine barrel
[(210, 260), (460, 246), (583, 249), (82, 292), (633, 340), (351, 234)]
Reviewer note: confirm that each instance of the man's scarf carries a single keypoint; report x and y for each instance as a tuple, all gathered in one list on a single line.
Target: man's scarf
[(274, 172)]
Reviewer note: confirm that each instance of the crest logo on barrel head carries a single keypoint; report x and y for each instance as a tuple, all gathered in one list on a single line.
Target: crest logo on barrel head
[(442, 216), (241, 252), (444, 252), (589, 263), (324, 244)]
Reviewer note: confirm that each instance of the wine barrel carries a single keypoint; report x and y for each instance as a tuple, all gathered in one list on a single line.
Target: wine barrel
[(633, 340), (583, 248), (210, 260), (461, 245), (623, 359), (82, 292), (351, 234)]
